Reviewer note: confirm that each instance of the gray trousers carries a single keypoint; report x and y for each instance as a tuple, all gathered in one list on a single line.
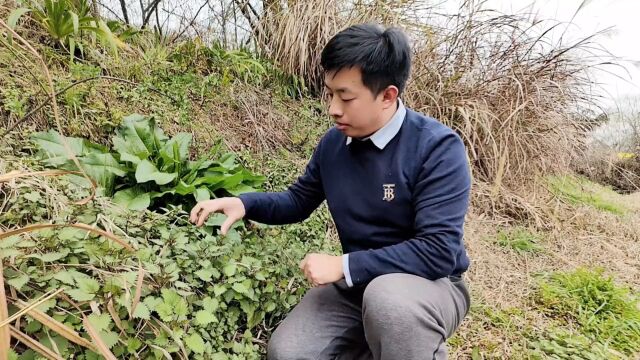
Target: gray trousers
[(396, 316)]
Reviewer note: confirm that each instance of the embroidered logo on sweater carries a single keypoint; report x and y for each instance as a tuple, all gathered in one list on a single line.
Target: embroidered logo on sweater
[(389, 193)]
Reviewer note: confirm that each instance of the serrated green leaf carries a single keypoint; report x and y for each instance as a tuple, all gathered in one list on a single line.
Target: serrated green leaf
[(142, 311), (195, 343), (219, 356), (100, 322), (18, 281), (181, 308), (165, 311), (219, 289), (88, 285), (80, 295), (210, 305), (146, 171), (204, 317), (65, 277), (10, 241), (204, 274), (53, 256), (229, 269), (71, 233), (240, 288), (33, 196)]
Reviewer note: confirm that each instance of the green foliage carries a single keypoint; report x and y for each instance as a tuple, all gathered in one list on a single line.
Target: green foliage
[(565, 344), (602, 311), (519, 239), (580, 191), (204, 296), (222, 67), (148, 168), (66, 21)]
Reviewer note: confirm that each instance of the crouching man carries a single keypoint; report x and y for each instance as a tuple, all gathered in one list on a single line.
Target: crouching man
[(397, 185)]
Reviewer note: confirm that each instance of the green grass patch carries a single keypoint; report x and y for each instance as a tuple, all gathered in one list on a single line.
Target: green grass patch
[(601, 311), (580, 191), (520, 240)]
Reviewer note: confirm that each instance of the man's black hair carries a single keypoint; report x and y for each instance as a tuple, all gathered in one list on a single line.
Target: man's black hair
[(383, 56)]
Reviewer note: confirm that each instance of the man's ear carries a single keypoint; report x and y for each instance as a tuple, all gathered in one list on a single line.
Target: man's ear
[(390, 96)]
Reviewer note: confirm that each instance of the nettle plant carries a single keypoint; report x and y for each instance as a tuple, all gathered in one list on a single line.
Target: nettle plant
[(147, 168)]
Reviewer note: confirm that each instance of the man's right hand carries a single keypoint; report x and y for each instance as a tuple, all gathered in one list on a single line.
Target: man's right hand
[(232, 207)]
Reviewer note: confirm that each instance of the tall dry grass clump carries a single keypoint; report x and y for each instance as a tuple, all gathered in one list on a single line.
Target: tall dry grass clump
[(499, 80)]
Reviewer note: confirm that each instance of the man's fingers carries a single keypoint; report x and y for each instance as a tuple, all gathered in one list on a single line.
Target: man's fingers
[(193, 217), (204, 214), (226, 225), (303, 264)]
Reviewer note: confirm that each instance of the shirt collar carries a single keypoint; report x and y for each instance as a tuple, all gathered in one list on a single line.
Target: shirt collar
[(384, 135)]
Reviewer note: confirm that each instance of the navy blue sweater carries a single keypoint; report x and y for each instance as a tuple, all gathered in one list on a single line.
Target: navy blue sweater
[(415, 226)]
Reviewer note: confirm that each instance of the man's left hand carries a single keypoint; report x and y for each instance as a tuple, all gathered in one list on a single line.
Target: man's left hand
[(321, 269)]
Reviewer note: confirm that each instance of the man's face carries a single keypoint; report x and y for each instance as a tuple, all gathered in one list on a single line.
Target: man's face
[(356, 112)]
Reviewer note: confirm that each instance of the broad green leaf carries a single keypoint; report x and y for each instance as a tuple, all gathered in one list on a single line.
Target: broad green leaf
[(52, 147), (146, 171), (12, 21), (184, 189), (195, 343), (204, 317), (202, 194), (178, 145), (219, 356), (132, 198), (103, 168), (76, 21), (240, 189), (138, 136), (232, 181)]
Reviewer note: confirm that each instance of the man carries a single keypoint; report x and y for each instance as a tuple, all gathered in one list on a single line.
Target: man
[(397, 186)]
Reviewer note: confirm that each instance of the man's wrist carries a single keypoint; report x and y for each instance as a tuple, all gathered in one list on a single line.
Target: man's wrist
[(345, 270)]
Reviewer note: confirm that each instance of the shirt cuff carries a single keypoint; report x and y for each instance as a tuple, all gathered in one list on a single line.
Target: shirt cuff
[(345, 270)]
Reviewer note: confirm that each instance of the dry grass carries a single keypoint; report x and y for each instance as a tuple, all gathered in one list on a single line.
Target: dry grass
[(511, 93), (503, 281)]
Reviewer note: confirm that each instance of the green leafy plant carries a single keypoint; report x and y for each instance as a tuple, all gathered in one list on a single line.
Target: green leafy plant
[(149, 168), (564, 344), (202, 297), (580, 191), (519, 239), (66, 21), (603, 311)]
